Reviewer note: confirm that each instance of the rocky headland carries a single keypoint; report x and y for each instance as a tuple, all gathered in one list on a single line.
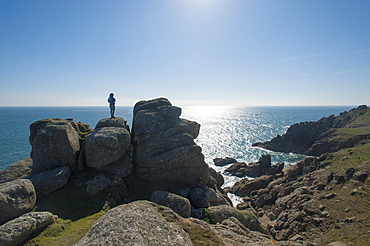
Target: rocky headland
[(328, 134), (151, 185)]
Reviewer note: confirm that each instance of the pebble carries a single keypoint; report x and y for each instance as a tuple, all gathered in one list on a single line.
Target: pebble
[(353, 192)]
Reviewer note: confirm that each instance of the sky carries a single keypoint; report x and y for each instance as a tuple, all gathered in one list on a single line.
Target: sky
[(193, 52)]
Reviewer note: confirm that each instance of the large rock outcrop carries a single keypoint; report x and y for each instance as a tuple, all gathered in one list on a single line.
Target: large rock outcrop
[(55, 143), (109, 148), (136, 223), (164, 147), (316, 138), (16, 198), (112, 122), (146, 223)]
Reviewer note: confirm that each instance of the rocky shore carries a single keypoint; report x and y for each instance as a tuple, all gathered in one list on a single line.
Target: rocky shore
[(324, 135), (155, 188)]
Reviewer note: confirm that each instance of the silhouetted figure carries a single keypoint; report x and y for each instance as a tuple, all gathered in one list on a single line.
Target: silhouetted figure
[(112, 104)]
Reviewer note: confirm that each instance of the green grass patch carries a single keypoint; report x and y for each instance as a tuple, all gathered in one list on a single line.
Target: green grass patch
[(339, 226), (361, 119), (351, 157), (202, 237), (348, 133), (349, 219), (65, 232)]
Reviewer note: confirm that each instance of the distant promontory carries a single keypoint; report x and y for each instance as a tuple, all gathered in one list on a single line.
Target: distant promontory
[(328, 134)]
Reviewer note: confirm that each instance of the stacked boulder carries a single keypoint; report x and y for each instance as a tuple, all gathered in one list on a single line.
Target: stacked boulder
[(55, 150), (165, 152), (16, 198), (60, 148), (17, 222), (55, 143), (164, 145), (109, 148)]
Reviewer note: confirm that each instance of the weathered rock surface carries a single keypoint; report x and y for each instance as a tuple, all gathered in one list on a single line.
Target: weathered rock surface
[(178, 204), (218, 197), (16, 198), (50, 181), (218, 214), (55, 143), (109, 149), (164, 147), (285, 203), (224, 161), (199, 198), (97, 184), (17, 231), (17, 170), (205, 197), (233, 232), (136, 223), (316, 138), (146, 223), (261, 167), (217, 176), (245, 186), (111, 122)]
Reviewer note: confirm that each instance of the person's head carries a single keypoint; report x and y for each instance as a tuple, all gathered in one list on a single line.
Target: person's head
[(111, 95)]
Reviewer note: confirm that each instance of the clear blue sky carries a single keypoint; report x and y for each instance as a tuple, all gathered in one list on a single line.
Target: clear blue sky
[(194, 52)]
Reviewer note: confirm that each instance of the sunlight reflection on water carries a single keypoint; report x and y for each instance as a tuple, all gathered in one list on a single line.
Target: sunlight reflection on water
[(227, 131)]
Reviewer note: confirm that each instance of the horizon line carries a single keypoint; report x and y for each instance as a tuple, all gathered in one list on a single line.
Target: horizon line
[(200, 105)]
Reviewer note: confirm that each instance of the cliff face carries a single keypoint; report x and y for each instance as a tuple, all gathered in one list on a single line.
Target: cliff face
[(324, 135)]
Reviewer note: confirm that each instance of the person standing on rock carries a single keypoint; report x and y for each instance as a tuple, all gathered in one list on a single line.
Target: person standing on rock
[(112, 104)]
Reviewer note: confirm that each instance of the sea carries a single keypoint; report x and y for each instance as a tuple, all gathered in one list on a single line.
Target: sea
[(224, 131)]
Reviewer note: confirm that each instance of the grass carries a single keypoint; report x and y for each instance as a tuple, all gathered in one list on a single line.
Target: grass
[(65, 232), (359, 124), (76, 210), (344, 205), (348, 133), (351, 157), (202, 237), (361, 119)]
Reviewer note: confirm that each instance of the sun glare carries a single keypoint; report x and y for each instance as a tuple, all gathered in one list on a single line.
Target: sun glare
[(202, 3), (205, 111), (204, 6)]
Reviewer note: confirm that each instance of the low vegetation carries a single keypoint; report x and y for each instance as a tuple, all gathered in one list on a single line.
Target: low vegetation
[(65, 232), (349, 209)]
